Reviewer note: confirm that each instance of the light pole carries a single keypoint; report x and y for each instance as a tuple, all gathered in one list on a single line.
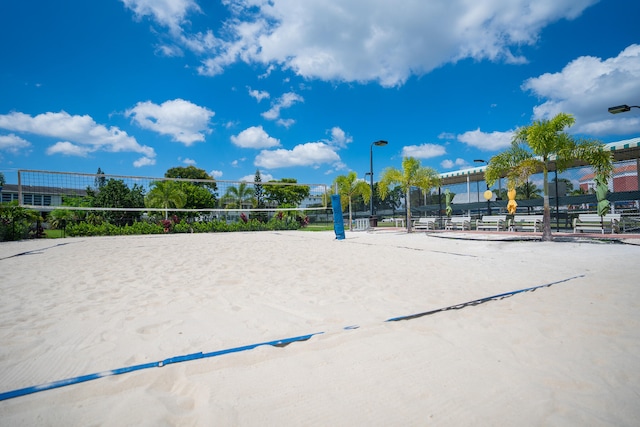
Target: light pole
[(377, 144), (485, 194), (622, 108)]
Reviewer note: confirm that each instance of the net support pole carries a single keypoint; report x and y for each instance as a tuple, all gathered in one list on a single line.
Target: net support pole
[(338, 223)]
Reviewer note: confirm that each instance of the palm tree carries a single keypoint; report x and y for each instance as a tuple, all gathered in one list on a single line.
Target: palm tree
[(534, 147), (413, 174), (59, 218), (349, 186), (528, 190), (237, 197), (165, 195)]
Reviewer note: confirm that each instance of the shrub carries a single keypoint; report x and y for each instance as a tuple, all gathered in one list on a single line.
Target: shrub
[(82, 229)]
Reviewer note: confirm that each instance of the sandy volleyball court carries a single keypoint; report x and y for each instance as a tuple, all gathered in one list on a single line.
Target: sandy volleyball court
[(567, 354)]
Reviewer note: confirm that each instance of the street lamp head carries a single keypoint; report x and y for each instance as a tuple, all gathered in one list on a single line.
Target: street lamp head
[(380, 143), (619, 109), (479, 161)]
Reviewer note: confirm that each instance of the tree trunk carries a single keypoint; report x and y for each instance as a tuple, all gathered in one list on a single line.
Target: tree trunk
[(350, 219), (408, 206), (546, 217), (546, 221)]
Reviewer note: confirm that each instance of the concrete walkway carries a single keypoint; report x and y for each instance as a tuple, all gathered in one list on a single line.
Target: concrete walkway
[(627, 238)]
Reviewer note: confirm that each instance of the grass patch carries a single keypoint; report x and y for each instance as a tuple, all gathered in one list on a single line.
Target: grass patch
[(53, 234)]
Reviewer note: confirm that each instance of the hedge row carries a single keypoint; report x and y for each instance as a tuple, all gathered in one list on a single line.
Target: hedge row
[(85, 229)]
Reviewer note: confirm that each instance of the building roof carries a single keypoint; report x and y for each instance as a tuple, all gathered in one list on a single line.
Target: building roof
[(40, 189), (628, 149)]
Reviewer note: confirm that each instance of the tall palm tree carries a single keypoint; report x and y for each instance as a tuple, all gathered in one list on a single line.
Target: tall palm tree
[(165, 195), (413, 174), (236, 197), (528, 190), (349, 186), (533, 149)]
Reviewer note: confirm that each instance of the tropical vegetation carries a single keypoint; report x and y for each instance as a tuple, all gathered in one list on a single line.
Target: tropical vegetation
[(349, 186), (536, 147), (239, 197), (165, 195), (200, 191), (540, 147), (412, 174)]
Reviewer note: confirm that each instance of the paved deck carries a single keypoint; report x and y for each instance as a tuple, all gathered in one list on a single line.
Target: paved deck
[(628, 238)]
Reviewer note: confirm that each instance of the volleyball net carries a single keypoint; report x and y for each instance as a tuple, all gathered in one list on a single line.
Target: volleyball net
[(207, 198)]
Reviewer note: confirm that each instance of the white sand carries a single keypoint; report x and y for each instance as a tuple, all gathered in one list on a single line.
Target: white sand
[(568, 354)]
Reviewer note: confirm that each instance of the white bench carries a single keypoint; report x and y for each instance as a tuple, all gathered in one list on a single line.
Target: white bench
[(526, 223), (425, 224), (491, 222), (461, 222), (594, 222), (630, 223), (362, 224)]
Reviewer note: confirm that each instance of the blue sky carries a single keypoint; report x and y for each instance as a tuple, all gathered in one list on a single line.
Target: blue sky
[(300, 89)]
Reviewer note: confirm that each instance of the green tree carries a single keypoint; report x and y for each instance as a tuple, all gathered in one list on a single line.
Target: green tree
[(2, 181), (238, 197), (200, 194), (567, 183), (286, 192), (528, 190), (191, 172), (166, 195), (100, 180), (393, 200), (413, 174), (258, 197), (116, 194), (15, 221), (60, 218), (258, 191), (349, 186), (533, 149)]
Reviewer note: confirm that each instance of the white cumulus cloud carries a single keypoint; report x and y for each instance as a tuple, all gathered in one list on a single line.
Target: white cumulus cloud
[(13, 143), (285, 101), (184, 121), (376, 40), (259, 95), (339, 138), (264, 177), (423, 151), (68, 149), (169, 13), (254, 137), (486, 141), (81, 135), (586, 87), (310, 154), (449, 164)]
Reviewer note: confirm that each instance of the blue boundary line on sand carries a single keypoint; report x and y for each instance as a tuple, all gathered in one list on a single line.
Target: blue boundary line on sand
[(276, 343), (158, 364), (479, 300)]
